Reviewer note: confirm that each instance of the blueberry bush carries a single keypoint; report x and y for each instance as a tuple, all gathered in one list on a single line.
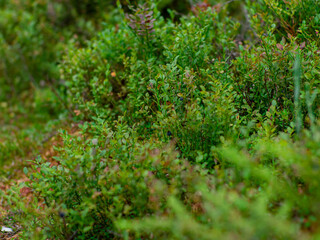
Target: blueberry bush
[(183, 119)]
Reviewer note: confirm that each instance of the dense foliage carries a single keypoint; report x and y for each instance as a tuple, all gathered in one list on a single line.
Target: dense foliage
[(198, 124)]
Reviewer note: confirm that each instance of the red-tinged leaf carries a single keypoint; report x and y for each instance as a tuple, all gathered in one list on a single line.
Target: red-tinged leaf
[(25, 191), (279, 46), (77, 112), (96, 194), (303, 45)]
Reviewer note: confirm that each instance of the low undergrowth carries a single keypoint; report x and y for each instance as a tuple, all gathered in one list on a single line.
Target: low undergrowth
[(191, 126)]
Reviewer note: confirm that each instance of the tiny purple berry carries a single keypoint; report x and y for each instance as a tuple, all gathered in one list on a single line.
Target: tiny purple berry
[(62, 214)]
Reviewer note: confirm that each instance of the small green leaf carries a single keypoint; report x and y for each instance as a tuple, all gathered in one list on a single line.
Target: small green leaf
[(87, 228)]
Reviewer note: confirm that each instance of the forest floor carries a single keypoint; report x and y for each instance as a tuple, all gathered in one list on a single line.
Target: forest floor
[(24, 135)]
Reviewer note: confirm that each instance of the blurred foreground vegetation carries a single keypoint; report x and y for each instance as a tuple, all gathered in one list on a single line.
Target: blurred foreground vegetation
[(160, 119)]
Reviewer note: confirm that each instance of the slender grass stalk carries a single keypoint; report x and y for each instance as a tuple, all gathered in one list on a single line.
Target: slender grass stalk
[(310, 97), (297, 87)]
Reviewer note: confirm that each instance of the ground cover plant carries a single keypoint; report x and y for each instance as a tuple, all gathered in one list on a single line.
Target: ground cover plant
[(178, 120)]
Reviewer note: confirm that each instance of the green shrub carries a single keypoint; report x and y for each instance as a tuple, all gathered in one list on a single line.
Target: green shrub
[(110, 184), (264, 74), (299, 19), (181, 133), (157, 76), (103, 174), (271, 193), (33, 35)]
